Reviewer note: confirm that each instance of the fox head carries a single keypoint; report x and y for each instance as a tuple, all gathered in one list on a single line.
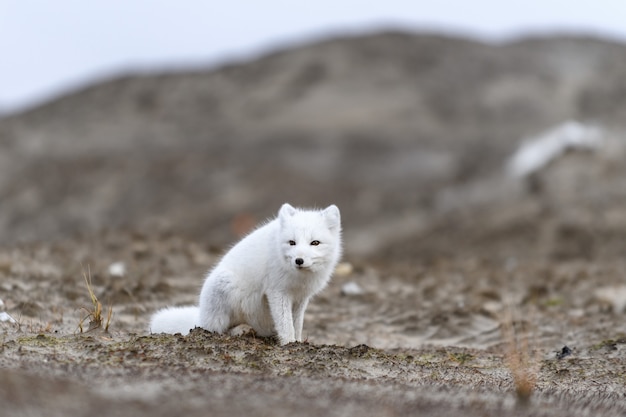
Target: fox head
[(310, 240)]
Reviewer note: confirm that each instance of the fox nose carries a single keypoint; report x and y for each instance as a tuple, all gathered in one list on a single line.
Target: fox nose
[(299, 261)]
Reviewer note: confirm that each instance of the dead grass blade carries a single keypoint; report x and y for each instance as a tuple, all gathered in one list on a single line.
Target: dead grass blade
[(522, 363), (94, 314)]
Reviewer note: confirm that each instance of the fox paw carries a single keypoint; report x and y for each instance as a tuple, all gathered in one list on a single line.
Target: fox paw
[(242, 330)]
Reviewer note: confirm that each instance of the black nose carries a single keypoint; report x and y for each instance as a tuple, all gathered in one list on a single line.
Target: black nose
[(299, 261)]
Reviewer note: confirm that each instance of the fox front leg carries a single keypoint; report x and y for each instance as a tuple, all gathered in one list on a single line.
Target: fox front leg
[(281, 310), (298, 317)]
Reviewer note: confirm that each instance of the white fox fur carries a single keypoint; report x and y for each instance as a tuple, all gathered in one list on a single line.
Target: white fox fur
[(267, 279)]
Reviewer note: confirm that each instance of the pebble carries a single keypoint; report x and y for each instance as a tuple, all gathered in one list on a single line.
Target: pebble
[(351, 288), (6, 317), (343, 269), (576, 313), (493, 307), (117, 269), (565, 352), (615, 295)]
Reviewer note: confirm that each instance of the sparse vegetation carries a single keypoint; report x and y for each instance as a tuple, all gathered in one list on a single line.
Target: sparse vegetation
[(460, 357), (94, 314), (521, 362)]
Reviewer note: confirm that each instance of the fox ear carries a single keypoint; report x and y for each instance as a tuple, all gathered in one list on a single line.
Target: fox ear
[(286, 210), (332, 217)]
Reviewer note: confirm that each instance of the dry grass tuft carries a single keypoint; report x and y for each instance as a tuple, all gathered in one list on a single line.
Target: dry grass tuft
[(94, 314), (522, 363)]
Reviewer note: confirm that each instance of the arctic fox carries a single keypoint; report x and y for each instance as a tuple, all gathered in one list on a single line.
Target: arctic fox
[(267, 279)]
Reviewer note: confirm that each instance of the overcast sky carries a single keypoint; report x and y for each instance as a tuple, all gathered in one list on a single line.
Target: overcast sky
[(48, 47)]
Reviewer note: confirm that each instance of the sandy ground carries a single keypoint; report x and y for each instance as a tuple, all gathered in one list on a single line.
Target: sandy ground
[(439, 337)]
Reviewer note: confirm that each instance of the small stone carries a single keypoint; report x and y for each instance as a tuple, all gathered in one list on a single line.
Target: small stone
[(492, 307), (4, 317), (565, 352), (343, 269), (117, 269), (351, 288), (614, 295), (576, 313)]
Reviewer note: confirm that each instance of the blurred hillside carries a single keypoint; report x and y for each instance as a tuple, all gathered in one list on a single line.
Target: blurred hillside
[(408, 134)]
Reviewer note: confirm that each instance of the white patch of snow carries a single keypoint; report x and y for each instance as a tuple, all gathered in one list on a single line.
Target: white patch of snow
[(537, 152)]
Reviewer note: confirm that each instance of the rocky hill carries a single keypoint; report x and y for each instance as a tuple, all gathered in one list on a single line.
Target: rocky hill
[(408, 133)]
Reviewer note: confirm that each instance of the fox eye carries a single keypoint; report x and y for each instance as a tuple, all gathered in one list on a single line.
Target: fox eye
[(315, 243), (292, 242)]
